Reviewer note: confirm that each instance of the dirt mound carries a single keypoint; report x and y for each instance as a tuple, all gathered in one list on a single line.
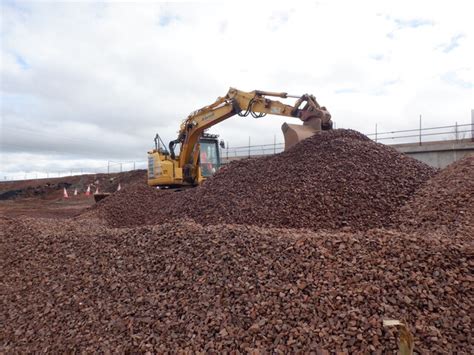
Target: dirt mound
[(335, 179), (135, 205), (216, 288), (445, 202), (48, 188), (38, 191), (109, 183)]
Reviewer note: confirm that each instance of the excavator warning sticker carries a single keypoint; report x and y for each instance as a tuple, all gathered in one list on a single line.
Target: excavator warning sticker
[(151, 167), (275, 110)]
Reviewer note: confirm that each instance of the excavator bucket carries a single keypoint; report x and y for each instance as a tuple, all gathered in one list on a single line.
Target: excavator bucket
[(295, 133)]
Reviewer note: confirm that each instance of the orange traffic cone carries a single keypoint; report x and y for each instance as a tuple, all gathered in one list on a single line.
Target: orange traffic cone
[(65, 195), (119, 188), (96, 190), (88, 191), (75, 192)]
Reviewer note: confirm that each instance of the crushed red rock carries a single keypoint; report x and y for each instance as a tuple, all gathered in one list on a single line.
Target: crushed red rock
[(71, 287), (445, 202), (332, 180), (206, 270)]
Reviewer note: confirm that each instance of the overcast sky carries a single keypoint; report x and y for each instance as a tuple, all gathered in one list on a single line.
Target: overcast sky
[(86, 82)]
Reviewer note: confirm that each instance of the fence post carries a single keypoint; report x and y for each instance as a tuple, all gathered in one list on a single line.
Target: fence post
[(420, 129), (456, 132), (120, 167), (227, 151), (249, 146), (376, 133), (133, 165), (274, 143), (472, 125)]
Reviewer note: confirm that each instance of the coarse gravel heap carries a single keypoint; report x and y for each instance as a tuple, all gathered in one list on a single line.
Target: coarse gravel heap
[(182, 286), (335, 179)]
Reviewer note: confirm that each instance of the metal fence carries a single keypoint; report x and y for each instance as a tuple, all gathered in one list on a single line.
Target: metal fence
[(420, 136), (252, 150), (109, 167)]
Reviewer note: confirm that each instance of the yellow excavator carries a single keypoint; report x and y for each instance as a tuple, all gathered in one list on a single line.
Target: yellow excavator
[(198, 156)]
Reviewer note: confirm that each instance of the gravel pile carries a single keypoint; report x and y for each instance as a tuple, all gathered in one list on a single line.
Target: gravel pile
[(136, 205), (70, 287), (333, 180), (445, 203)]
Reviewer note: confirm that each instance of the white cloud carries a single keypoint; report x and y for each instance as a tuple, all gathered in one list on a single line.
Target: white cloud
[(95, 81)]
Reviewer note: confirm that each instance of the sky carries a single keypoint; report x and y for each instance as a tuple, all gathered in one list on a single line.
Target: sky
[(84, 83)]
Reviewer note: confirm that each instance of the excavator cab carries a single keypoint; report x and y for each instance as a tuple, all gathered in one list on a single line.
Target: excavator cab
[(162, 162), (209, 157)]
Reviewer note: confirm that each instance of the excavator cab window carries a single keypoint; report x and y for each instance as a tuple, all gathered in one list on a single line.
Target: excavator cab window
[(209, 157)]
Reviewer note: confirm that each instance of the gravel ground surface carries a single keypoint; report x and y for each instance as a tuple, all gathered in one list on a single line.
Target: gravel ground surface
[(445, 203), (336, 179), (67, 286)]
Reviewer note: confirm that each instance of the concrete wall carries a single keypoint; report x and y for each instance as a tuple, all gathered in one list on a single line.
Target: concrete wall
[(438, 154)]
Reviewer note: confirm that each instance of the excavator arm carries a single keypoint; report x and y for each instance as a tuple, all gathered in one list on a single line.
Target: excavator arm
[(257, 104)]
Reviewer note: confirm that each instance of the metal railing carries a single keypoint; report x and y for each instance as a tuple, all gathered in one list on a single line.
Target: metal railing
[(420, 136), (109, 167), (252, 150), (454, 132)]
